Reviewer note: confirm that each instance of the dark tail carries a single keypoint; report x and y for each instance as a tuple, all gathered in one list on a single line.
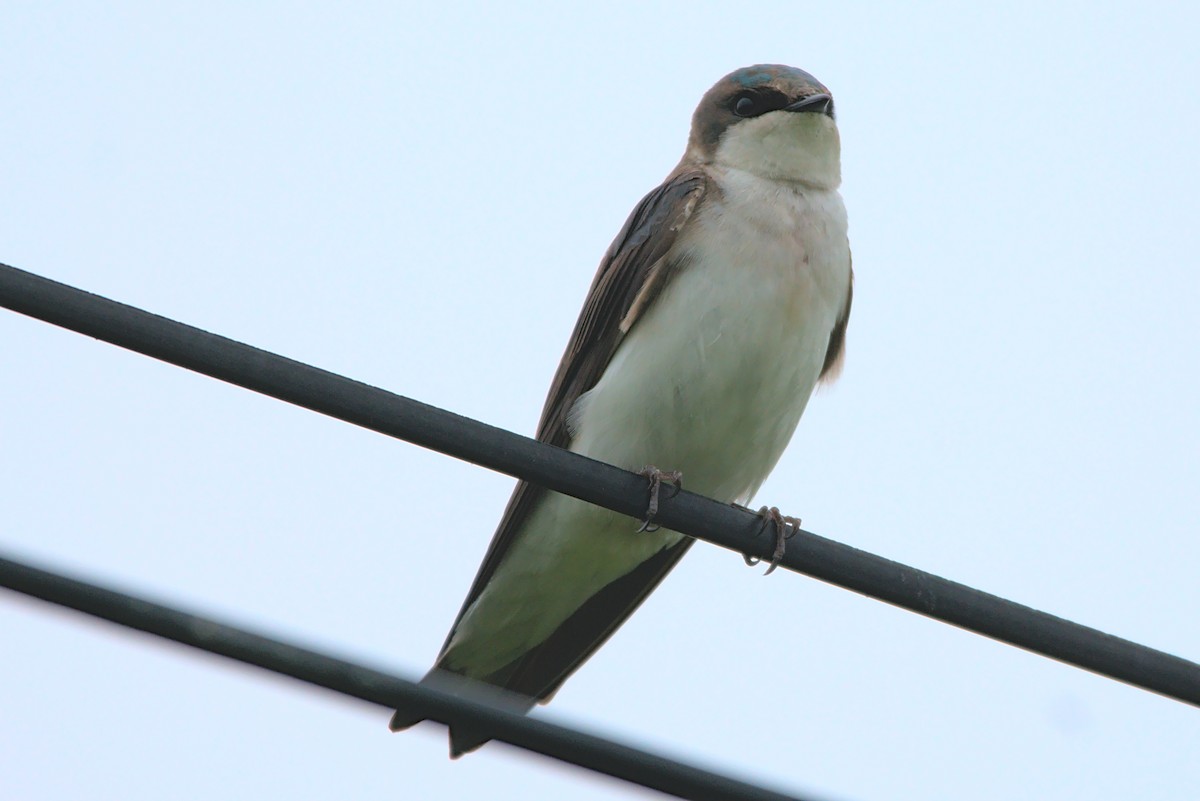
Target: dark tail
[(464, 736)]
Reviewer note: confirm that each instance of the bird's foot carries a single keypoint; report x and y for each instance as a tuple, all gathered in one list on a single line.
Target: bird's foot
[(657, 478), (785, 527)]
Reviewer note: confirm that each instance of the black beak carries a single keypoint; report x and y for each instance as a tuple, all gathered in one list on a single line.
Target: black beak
[(819, 103)]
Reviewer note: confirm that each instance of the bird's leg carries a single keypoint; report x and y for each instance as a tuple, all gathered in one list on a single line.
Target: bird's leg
[(657, 478), (785, 527)]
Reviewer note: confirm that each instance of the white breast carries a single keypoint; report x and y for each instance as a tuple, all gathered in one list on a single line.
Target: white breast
[(713, 380)]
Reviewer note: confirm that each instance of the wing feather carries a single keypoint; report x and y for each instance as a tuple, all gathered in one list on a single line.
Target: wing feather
[(835, 354), (632, 273)]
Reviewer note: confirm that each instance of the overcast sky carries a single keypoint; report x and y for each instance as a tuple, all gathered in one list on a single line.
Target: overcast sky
[(417, 198)]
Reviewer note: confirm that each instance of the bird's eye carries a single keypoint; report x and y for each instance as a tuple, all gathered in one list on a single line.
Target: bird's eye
[(744, 106)]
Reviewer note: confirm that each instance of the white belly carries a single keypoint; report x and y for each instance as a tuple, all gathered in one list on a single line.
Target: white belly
[(711, 382)]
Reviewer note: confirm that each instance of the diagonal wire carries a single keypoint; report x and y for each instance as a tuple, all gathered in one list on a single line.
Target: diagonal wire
[(728, 526), (569, 745)]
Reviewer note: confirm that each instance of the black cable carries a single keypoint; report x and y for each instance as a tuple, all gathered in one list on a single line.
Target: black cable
[(569, 745), (596, 482)]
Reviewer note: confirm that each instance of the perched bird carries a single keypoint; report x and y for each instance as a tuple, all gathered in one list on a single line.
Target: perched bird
[(714, 314)]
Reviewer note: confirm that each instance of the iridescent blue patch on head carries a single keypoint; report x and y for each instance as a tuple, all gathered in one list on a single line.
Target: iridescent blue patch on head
[(757, 75), (752, 76)]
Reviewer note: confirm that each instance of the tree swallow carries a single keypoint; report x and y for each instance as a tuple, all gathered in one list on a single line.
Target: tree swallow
[(721, 304)]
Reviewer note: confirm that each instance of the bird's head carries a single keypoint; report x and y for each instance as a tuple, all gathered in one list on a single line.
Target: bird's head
[(771, 120)]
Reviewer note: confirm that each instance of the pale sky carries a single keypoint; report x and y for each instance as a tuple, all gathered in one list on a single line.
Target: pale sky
[(417, 198)]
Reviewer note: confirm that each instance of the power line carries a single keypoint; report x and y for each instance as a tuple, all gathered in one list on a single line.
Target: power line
[(593, 481), (359, 681)]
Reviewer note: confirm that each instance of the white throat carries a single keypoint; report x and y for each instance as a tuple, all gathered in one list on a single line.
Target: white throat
[(785, 146)]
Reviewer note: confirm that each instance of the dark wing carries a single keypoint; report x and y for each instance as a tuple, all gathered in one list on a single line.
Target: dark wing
[(632, 272), (835, 354)]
